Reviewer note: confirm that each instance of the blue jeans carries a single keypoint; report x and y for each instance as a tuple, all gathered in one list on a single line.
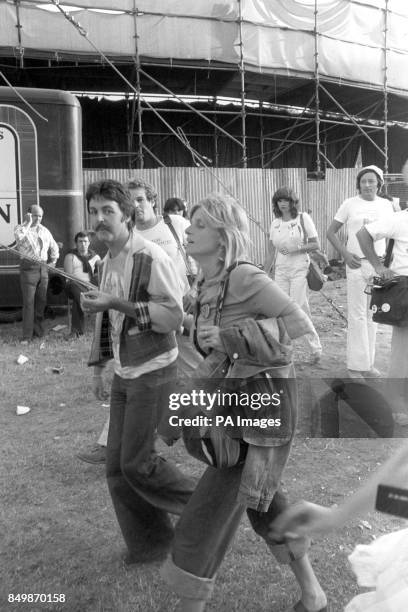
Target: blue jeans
[(73, 291), (208, 525), (144, 487), (34, 283)]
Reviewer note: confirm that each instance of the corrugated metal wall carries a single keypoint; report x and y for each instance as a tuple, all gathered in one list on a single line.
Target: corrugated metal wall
[(254, 188)]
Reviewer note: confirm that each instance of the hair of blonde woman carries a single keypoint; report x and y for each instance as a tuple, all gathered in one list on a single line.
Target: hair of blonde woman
[(224, 214)]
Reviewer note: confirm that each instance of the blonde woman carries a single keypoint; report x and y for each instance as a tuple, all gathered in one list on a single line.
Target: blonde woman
[(235, 296)]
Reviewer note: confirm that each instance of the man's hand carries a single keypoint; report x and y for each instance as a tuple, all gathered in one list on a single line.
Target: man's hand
[(352, 261), (384, 273), (95, 301), (302, 519), (98, 388), (28, 219)]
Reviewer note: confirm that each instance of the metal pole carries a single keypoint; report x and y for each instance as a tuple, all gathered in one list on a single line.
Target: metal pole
[(386, 88), (242, 74), (317, 99), (140, 159), (19, 27), (261, 132)]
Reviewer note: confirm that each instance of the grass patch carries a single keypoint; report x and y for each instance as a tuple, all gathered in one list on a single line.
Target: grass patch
[(58, 527)]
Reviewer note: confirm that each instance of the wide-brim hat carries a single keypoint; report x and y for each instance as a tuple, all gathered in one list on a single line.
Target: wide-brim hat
[(372, 168)]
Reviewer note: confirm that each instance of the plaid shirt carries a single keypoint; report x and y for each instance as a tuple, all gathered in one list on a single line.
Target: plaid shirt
[(37, 245)]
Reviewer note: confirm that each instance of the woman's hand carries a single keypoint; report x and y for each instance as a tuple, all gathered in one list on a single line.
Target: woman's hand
[(284, 250), (290, 251), (209, 337), (352, 261), (95, 301)]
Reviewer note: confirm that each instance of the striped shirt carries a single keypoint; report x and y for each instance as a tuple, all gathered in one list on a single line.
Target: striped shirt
[(36, 242)]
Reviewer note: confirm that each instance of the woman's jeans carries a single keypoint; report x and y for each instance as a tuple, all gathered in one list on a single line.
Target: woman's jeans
[(144, 487), (207, 527)]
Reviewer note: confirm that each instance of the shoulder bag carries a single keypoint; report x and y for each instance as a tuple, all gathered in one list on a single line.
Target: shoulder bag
[(189, 273), (315, 278), (389, 299)]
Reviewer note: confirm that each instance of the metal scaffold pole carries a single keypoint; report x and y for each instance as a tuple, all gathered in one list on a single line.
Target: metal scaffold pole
[(386, 87), (242, 74), (137, 102), (317, 92)]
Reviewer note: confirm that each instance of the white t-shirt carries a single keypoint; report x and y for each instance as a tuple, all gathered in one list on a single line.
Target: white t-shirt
[(289, 234), (356, 212), (394, 226), (162, 235)]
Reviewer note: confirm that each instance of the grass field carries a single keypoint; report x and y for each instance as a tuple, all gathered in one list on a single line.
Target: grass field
[(58, 527)]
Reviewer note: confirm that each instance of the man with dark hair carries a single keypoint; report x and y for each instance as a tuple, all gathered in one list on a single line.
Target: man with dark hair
[(83, 263), (37, 243), (139, 308), (364, 208), (168, 233)]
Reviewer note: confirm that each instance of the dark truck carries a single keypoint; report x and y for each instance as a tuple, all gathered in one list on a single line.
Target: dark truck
[(40, 163)]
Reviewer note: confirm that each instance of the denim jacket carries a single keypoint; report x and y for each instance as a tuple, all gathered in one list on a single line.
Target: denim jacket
[(255, 347)]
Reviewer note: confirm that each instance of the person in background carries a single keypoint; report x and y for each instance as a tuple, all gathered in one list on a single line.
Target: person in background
[(304, 518), (292, 236), (139, 308), (393, 227), (83, 263), (355, 212), (175, 206), (36, 242)]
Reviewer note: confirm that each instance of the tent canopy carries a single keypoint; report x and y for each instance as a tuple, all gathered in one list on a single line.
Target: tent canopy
[(362, 43)]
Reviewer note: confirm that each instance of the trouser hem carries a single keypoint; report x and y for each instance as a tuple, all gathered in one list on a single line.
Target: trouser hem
[(185, 584)]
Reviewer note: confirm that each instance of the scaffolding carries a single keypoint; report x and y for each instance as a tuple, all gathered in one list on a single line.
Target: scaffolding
[(299, 125)]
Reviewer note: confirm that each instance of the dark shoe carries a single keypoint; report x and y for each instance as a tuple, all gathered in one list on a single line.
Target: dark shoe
[(95, 455)]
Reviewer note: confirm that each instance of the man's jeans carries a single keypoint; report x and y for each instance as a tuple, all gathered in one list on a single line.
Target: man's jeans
[(144, 487), (74, 291), (34, 283)]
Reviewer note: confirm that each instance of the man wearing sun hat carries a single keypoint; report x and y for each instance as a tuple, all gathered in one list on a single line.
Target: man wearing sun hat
[(354, 213)]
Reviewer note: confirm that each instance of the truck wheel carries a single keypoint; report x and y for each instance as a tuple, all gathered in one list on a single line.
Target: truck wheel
[(10, 315)]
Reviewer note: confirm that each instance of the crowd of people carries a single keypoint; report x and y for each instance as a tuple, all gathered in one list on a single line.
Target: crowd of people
[(177, 300)]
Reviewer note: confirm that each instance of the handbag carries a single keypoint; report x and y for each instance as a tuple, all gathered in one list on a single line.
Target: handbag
[(314, 277), (210, 443), (389, 299), (389, 302)]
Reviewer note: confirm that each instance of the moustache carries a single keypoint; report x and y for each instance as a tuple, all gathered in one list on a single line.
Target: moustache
[(101, 226)]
